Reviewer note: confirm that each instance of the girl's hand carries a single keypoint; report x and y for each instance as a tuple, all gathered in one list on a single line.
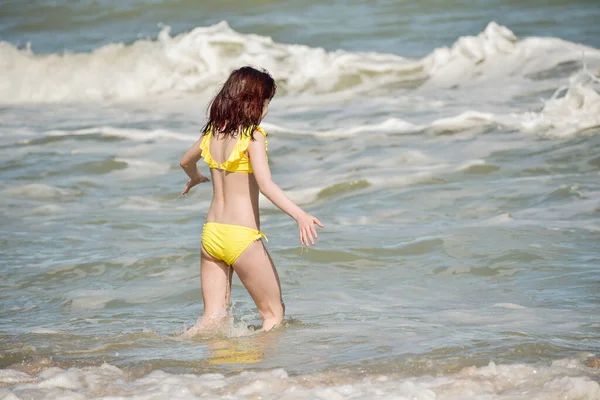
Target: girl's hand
[(306, 226), (193, 182)]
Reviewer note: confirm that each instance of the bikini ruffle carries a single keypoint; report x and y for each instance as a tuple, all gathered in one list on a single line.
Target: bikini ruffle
[(237, 153)]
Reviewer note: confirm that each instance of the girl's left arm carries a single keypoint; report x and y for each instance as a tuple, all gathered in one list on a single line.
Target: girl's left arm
[(262, 174), (189, 164)]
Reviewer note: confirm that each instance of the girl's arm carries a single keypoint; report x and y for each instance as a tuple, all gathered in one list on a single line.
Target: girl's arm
[(188, 163), (262, 174)]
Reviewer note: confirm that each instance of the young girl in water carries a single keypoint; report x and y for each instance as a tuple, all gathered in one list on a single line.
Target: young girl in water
[(235, 148)]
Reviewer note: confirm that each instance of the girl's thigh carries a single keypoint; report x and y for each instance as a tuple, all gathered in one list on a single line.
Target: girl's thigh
[(258, 274), (216, 283)]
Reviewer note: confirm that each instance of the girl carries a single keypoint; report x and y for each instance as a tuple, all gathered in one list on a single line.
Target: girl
[(235, 148)]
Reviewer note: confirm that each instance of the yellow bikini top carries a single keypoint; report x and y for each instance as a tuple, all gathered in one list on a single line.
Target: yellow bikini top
[(238, 161)]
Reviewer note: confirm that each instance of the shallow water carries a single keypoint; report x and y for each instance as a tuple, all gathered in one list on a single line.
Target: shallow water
[(453, 155)]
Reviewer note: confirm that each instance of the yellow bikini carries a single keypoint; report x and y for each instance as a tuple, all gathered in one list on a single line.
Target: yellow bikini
[(227, 242), (238, 161)]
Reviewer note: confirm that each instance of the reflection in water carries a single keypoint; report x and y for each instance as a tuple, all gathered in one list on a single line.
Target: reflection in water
[(242, 350), (229, 342), (237, 351)]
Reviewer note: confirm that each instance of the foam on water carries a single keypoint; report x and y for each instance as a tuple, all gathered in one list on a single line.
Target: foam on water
[(510, 306), (390, 125), (570, 111), (41, 191), (92, 299), (200, 59), (299, 196), (562, 379), (139, 169), (47, 209), (139, 135), (498, 53)]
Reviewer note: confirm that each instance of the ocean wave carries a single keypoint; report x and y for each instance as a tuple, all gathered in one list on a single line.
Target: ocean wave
[(566, 378), (197, 61), (572, 110)]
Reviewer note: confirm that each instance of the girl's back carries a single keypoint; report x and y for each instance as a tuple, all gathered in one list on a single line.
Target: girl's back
[(235, 194)]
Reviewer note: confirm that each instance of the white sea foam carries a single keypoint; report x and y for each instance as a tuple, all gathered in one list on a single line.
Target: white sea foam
[(91, 299), (390, 125), (498, 219), (412, 157), (45, 331), (468, 164), (498, 53), (140, 135), (47, 209), (510, 306), (135, 203), (460, 122), (137, 169), (457, 123), (299, 196), (562, 379), (200, 59), (40, 191), (136, 151), (572, 110), (8, 377)]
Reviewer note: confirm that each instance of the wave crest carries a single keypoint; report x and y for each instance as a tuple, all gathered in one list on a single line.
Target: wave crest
[(197, 61)]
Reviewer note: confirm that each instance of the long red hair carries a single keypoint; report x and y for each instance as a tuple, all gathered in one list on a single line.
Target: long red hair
[(240, 102)]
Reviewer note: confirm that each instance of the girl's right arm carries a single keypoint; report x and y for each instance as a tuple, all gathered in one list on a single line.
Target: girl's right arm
[(262, 174), (189, 164)]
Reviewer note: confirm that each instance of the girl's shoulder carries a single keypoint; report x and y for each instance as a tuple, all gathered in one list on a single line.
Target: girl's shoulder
[(249, 133), (261, 130)]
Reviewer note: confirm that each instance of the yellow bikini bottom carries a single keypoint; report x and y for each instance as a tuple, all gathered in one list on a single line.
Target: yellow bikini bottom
[(227, 242)]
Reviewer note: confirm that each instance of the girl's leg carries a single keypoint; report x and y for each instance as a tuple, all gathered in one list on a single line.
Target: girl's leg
[(215, 278), (258, 274)]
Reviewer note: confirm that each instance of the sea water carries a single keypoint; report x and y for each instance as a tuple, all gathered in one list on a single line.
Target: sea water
[(452, 150)]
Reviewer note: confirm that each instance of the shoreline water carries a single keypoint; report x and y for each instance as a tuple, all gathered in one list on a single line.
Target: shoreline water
[(565, 378)]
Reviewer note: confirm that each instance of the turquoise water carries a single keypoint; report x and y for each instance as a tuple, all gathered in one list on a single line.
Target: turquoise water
[(451, 151)]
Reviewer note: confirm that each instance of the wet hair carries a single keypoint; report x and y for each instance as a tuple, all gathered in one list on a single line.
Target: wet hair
[(240, 102)]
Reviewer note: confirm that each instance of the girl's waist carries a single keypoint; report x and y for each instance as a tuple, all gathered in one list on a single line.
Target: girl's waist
[(249, 221)]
